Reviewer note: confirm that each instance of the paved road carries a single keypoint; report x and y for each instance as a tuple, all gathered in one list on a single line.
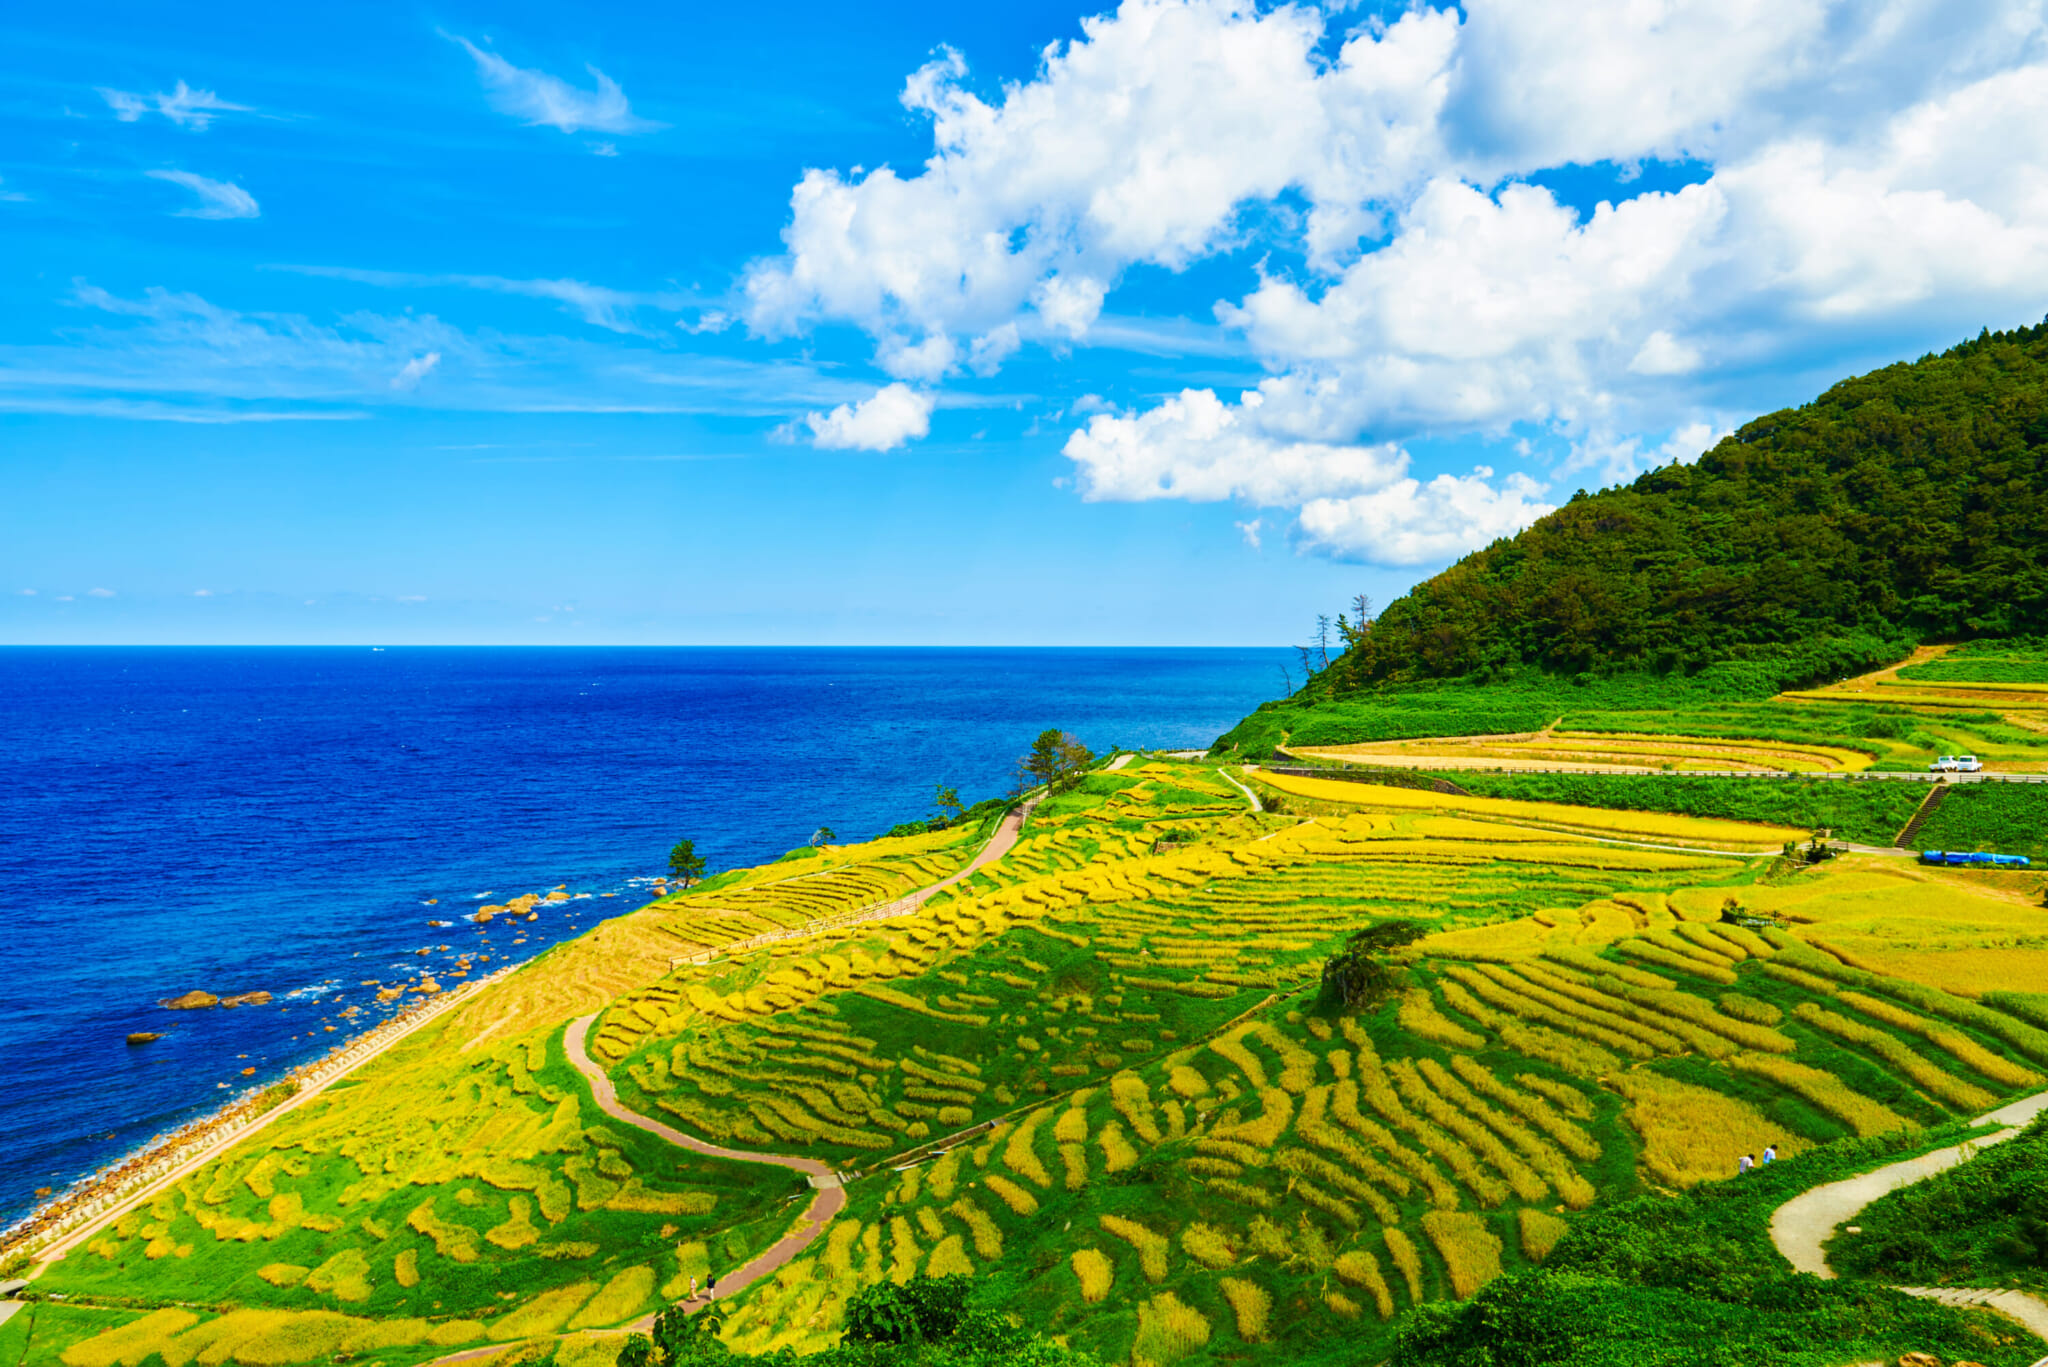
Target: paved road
[(828, 1201), (1808, 1220)]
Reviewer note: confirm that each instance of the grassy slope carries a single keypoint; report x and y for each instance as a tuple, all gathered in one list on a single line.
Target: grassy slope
[(1263, 1184), (1982, 1224)]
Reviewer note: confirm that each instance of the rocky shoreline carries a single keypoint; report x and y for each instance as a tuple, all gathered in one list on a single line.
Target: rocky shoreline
[(91, 1197)]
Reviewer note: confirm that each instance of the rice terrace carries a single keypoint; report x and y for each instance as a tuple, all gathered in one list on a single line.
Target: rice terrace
[(1100, 1076), (1103, 683)]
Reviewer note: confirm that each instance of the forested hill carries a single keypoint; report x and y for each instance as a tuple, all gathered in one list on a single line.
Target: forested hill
[(1907, 504)]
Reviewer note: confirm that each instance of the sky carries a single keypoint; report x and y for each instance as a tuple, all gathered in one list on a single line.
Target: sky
[(1030, 324)]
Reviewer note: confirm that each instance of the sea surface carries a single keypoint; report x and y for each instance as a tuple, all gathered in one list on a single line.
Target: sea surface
[(293, 820)]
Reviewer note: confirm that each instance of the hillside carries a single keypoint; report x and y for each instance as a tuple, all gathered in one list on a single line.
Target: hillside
[(1907, 504), (1099, 1079)]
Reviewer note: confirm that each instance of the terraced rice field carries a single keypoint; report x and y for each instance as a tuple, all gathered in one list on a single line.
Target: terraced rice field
[(1998, 681), (1595, 752), (1101, 1069)]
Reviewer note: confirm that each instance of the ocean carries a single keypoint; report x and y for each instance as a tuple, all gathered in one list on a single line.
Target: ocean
[(293, 820)]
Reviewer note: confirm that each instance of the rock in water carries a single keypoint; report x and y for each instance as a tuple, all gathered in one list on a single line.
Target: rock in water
[(143, 1037), (191, 1001), (247, 999)]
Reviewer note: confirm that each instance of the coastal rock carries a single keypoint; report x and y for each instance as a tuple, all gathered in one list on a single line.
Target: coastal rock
[(557, 896), (144, 1037), (484, 915), (248, 1072), (390, 994), (191, 1001), (426, 987), (247, 999)]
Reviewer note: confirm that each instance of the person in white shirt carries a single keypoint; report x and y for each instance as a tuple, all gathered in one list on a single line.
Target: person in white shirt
[(1744, 1164)]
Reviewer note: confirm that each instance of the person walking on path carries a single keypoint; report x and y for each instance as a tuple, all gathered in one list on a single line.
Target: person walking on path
[(711, 1289), (693, 1288), (1743, 1165)]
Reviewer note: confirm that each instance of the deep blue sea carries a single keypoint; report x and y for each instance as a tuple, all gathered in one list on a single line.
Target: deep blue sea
[(281, 819)]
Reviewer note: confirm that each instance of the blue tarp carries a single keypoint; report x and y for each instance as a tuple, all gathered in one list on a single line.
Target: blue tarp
[(1976, 860)]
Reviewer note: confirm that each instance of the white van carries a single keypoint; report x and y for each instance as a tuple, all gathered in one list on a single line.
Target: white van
[(1956, 764)]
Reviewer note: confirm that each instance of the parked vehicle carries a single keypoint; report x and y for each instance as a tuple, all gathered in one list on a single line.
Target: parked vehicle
[(1956, 764), (1977, 859)]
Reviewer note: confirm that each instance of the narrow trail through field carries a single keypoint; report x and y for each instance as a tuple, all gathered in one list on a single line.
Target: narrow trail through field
[(1257, 805), (830, 1197), (1803, 1224), (829, 1200)]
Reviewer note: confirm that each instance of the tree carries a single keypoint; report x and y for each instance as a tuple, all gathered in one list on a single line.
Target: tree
[(947, 800), (823, 836), (684, 863), (1357, 975), (682, 1337), (636, 1351), (1056, 759), (923, 1309)]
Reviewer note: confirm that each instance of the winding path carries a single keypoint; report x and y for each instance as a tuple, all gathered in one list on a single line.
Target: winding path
[(829, 1200), (1801, 1226)]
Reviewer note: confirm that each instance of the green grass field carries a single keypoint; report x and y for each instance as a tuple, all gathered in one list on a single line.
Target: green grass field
[(1193, 1155)]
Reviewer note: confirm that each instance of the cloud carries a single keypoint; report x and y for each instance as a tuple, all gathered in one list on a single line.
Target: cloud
[(1355, 502), (99, 593), (598, 305), (1409, 522), (27, 593), (202, 593), (217, 198), (8, 196), (415, 370), (1839, 183), (171, 356), (183, 106), (542, 100), (1196, 447), (896, 413)]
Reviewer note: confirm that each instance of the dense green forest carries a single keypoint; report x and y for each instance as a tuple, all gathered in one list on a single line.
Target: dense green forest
[(1903, 505)]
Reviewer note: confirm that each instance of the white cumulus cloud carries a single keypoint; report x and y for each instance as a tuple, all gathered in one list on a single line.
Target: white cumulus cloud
[(1410, 522), (1839, 178), (894, 414), (544, 100), (217, 198)]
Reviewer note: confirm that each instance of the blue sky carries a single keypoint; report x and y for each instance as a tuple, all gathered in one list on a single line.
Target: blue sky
[(1023, 324)]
